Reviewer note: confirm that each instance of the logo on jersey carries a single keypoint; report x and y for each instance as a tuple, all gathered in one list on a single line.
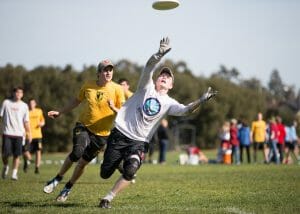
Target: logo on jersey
[(99, 95), (151, 106)]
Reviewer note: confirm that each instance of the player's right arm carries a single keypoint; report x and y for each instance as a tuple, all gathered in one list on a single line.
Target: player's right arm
[(146, 78), (71, 105)]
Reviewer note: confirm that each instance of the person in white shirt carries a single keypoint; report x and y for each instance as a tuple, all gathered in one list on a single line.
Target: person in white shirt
[(15, 119), (138, 119)]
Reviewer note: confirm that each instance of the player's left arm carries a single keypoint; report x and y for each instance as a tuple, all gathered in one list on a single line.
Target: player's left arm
[(182, 110), (119, 100)]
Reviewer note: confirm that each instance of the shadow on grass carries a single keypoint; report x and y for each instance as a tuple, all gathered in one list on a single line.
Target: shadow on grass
[(25, 204)]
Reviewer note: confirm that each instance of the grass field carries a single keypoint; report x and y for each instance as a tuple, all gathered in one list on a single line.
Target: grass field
[(170, 188)]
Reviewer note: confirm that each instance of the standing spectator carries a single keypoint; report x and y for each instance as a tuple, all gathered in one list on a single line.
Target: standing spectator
[(101, 99), (281, 137), (163, 140), (125, 85), (258, 137), (273, 140), (244, 138), (37, 121), (224, 135), (291, 143), (234, 142), (15, 118)]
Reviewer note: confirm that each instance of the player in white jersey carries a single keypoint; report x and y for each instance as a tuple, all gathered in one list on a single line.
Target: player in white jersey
[(138, 119), (15, 118)]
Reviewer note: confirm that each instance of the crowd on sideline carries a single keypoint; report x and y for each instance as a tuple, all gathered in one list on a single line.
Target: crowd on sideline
[(278, 142)]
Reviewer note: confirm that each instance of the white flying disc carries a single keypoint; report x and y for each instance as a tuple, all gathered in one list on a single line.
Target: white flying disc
[(165, 4)]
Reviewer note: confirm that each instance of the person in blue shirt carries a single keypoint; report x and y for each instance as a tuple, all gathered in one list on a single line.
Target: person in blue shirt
[(244, 138)]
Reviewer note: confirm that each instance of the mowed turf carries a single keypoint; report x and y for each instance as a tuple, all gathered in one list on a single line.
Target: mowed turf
[(170, 188)]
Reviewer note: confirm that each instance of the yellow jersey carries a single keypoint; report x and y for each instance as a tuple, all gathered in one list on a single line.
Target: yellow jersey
[(258, 130), (128, 94), (35, 118), (96, 114)]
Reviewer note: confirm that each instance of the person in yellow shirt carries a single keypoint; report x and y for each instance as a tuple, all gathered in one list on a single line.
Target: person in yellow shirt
[(125, 85), (258, 137), (37, 121), (101, 100)]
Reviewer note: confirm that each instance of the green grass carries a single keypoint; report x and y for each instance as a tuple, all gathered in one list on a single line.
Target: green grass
[(170, 188)]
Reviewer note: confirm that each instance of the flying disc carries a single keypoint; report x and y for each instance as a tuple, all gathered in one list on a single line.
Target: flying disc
[(165, 4)]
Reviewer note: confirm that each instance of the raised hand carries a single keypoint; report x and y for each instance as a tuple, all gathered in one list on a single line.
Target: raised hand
[(208, 94)]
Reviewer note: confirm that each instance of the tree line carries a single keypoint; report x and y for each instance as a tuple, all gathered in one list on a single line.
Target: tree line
[(53, 87)]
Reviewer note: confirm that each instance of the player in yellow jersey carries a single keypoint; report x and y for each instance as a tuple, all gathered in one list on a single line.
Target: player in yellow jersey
[(37, 121), (101, 100), (125, 85)]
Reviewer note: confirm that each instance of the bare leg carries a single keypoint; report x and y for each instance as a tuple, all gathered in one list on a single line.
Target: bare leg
[(65, 167), (38, 157), (266, 152), (16, 162), (78, 171)]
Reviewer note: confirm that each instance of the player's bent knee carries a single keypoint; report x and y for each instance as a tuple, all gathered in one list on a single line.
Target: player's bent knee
[(74, 156), (131, 165)]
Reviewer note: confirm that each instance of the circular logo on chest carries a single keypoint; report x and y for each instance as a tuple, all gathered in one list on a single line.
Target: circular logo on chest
[(151, 106)]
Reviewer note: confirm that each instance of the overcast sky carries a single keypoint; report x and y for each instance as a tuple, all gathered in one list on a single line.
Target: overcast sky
[(254, 36)]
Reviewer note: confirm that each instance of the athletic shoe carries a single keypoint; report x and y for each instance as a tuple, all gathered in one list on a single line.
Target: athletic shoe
[(63, 195), (133, 180), (104, 203), (5, 171), (50, 186), (14, 177), (36, 171)]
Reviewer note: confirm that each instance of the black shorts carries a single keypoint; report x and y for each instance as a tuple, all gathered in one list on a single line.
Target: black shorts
[(291, 145), (120, 147), (11, 145), (85, 143), (35, 145), (258, 145)]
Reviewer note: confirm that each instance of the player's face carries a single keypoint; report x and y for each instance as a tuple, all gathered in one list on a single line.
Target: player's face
[(124, 85), (18, 95), (106, 74), (32, 104), (164, 81)]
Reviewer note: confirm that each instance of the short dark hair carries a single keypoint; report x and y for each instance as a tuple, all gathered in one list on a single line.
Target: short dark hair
[(15, 89), (123, 80)]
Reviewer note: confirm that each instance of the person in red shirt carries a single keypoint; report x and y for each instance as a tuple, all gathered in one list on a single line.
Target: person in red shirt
[(273, 139), (234, 142), (194, 150), (281, 137)]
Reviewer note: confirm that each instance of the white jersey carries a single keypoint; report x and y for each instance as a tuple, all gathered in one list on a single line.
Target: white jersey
[(14, 115), (140, 116)]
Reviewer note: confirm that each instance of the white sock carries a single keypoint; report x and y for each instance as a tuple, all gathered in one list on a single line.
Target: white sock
[(110, 196), (14, 172)]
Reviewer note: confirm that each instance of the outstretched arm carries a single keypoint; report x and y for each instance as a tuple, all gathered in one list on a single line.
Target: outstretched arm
[(192, 107), (147, 74), (72, 104)]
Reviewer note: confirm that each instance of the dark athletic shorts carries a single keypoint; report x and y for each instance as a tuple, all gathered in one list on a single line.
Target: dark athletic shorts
[(11, 145), (120, 147)]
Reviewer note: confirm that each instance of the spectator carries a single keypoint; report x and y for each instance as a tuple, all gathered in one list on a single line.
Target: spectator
[(244, 138), (273, 140), (195, 151), (281, 137), (163, 140), (234, 142), (258, 137), (224, 135), (291, 143)]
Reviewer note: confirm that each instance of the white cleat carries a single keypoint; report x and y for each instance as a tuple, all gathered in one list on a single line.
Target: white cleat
[(50, 186)]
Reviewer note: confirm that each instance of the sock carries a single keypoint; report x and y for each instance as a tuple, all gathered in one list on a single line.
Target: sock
[(110, 196), (14, 172), (69, 185), (58, 177)]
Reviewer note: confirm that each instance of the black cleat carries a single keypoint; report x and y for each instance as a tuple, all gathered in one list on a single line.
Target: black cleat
[(37, 171), (104, 203)]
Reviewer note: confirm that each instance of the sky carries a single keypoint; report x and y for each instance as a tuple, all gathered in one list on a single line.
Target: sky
[(253, 36)]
